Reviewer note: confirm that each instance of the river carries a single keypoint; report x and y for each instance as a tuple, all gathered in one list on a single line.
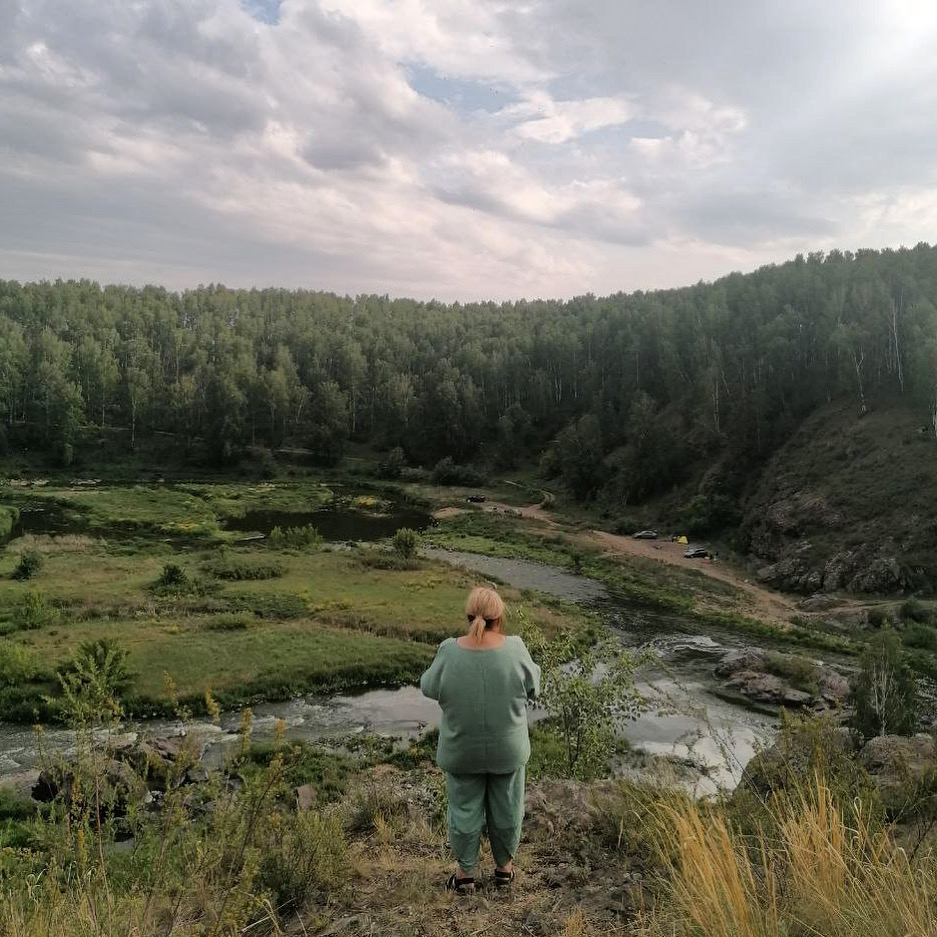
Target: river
[(685, 720)]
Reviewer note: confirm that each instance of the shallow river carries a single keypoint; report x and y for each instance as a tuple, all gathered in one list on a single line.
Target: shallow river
[(686, 719)]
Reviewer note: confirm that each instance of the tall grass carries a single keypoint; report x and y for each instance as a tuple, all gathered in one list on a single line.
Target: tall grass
[(809, 873)]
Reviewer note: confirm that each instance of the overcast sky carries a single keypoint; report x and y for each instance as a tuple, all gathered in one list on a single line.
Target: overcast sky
[(460, 149)]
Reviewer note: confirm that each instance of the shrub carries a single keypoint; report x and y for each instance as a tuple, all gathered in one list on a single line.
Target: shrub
[(31, 612), (885, 692), (239, 570), (306, 854), (392, 467), (447, 472), (587, 690), (30, 562), (173, 576), (877, 618), (406, 542), (17, 664), (914, 610), (294, 538), (801, 672), (920, 636), (236, 622), (94, 680)]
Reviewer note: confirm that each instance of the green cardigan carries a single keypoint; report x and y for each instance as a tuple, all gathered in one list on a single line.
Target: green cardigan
[(483, 695)]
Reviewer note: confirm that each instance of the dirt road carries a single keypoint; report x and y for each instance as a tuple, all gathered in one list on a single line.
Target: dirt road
[(771, 604)]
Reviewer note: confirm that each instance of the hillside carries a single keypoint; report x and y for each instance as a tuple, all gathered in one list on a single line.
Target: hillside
[(847, 503)]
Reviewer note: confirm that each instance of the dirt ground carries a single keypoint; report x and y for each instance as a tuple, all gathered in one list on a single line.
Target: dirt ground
[(770, 604)]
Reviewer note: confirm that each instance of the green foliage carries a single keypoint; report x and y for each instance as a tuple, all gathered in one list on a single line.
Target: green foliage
[(295, 538), (18, 663), (921, 636), (587, 690), (447, 472), (31, 612), (172, 576), (29, 564), (578, 452), (8, 516), (393, 465), (801, 672), (885, 692), (238, 569), (914, 610), (93, 681), (406, 542), (235, 622)]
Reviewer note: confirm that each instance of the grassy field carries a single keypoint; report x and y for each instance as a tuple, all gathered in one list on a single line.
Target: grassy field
[(248, 622)]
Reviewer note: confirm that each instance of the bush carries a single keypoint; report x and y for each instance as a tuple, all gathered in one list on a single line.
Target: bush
[(914, 610), (30, 562), (406, 542), (306, 854), (17, 664), (236, 622), (885, 691), (801, 672), (173, 576), (240, 570), (877, 618), (294, 538), (587, 690), (94, 681), (920, 636), (447, 472), (31, 612), (392, 467)]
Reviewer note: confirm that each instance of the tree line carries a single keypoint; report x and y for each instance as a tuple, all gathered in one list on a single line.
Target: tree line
[(616, 394)]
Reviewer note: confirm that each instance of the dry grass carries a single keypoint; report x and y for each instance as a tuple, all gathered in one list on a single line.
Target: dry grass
[(46, 543), (815, 876)]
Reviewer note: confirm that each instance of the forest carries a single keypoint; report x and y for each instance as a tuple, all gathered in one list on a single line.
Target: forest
[(616, 397)]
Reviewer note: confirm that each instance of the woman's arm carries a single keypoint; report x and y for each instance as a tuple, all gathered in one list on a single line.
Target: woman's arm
[(431, 679), (531, 674)]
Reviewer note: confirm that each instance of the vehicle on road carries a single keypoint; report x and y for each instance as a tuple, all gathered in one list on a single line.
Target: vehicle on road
[(645, 535), (696, 553)]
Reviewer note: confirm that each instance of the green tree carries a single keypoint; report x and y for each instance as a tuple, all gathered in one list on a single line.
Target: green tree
[(885, 692), (587, 689)]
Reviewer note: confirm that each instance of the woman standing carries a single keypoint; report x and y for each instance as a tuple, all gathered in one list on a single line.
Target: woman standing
[(483, 682)]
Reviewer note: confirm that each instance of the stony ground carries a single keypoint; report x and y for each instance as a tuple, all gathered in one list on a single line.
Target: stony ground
[(578, 874)]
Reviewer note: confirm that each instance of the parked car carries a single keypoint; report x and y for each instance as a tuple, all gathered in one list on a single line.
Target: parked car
[(476, 499), (646, 535), (696, 553)]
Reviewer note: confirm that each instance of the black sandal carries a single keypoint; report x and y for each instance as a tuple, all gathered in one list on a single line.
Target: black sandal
[(503, 879), (461, 886)]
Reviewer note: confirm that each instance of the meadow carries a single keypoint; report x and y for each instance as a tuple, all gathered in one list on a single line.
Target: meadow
[(199, 607)]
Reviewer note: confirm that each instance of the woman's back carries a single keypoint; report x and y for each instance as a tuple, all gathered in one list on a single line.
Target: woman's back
[(483, 695)]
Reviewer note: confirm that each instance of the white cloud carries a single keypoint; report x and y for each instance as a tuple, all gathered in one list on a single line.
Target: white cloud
[(188, 140)]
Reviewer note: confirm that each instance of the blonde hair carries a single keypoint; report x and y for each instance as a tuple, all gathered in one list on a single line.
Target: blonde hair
[(484, 609)]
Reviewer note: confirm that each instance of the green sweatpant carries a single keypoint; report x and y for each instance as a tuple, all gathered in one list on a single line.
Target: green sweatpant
[(476, 801)]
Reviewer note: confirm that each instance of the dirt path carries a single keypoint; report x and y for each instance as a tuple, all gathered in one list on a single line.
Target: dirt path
[(768, 603)]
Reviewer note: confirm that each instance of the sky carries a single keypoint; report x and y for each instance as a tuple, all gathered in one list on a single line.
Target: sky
[(459, 149)]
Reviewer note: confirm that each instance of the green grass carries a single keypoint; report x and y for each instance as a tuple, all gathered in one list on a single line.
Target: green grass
[(327, 621)]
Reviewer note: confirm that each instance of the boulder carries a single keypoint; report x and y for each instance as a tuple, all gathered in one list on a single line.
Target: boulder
[(795, 756), (750, 658), (882, 574), (819, 603), (767, 688), (896, 763), (834, 687), (121, 786), (306, 796)]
